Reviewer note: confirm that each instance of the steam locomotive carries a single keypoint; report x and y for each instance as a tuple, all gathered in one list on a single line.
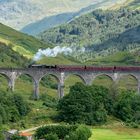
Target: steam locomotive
[(42, 66)]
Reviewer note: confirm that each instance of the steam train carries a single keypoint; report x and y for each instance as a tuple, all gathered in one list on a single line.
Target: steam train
[(85, 67)]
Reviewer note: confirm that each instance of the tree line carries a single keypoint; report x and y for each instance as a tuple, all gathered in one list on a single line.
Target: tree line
[(93, 104)]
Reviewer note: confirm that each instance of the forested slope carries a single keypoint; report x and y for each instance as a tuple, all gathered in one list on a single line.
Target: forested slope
[(103, 32)]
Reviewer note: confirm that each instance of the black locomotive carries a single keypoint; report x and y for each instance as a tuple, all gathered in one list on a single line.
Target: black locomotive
[(42, 66)]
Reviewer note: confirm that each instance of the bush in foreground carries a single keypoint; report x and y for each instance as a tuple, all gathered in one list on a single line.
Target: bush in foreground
[(51, 136), (60, 130), (17, 137), (81, 133), (66, 132)]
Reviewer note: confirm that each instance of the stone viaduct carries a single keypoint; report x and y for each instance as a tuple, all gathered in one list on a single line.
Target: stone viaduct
[(61, 74)]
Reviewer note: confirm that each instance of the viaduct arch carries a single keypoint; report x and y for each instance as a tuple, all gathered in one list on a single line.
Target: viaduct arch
[(87, 75)]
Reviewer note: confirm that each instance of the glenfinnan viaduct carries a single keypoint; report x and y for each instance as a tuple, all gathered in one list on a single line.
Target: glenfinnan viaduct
[(87, 74)]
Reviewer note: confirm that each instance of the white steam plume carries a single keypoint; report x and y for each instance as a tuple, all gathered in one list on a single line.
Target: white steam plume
[(51, 52), (55, 51)]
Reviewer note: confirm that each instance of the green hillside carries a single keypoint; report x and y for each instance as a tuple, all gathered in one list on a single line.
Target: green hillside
[(10, 58), (25, 47), (103, 33), (22, 43)]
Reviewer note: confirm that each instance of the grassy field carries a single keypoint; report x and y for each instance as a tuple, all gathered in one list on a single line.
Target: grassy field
[(115, 134), (114, 129)]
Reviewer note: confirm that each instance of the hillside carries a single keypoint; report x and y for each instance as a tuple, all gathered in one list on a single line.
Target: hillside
[(58, 19), (24, 46), (102, 33), (10, 58), (28, 43)]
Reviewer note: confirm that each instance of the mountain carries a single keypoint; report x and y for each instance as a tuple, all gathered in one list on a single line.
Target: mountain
[(102, 33), (92, 28), (46, 23), (55, 20), (126, 49), (12, 12)]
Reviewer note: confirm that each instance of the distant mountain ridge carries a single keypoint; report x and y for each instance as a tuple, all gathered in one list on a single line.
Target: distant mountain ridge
[(46, 23), (55, 20), (18, 13)]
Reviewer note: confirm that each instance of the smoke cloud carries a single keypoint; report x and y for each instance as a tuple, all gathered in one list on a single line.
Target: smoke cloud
[(55, 51)]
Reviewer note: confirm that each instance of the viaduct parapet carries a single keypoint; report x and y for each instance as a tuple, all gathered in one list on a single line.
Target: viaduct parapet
[(87, 74)]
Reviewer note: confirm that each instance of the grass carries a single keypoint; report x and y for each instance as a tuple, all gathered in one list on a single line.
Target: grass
[(27, 42), (115, 134), (114, 129), (17, 48)]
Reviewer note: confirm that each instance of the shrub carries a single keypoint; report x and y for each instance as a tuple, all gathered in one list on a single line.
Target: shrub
[(71, 136), (60, 130), (66, 132), (51, 136), (17, 137), (81, 133)]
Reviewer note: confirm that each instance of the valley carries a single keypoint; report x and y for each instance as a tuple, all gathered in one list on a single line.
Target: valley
[(97, 33)]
